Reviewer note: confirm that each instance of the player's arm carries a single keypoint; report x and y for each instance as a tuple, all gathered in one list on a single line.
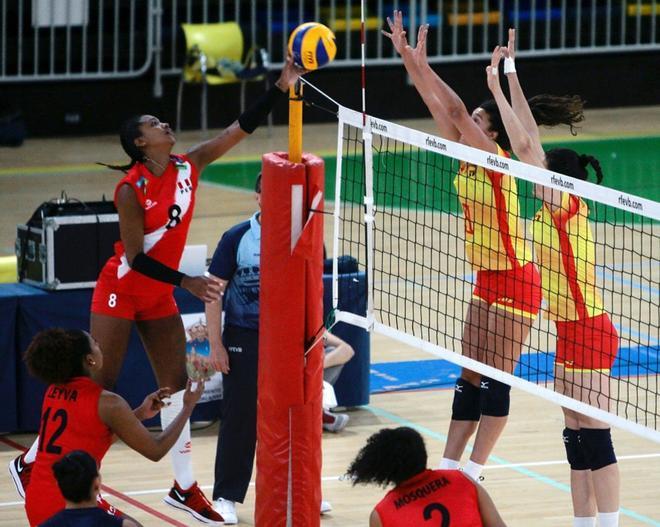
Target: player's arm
[(118, 416), (524, 146), (204, 153), (489, 514), (342, 353), (398, 38), (131, 230), (374, 519), (518, 100), (219, 357), (454, 107)]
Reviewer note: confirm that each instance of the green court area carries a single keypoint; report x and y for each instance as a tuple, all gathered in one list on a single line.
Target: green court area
[(410, 178)]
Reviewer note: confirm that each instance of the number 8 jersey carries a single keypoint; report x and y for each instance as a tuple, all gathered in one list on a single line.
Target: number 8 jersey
[(168, 201), (69, 421)]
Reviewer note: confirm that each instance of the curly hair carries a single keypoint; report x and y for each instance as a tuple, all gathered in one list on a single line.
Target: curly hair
[(75, 473), (390, 457), (570, 163), (55, 355), (548, 110)]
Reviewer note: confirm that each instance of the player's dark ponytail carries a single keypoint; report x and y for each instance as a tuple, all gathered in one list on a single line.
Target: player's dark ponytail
[(569, 162), (391, 456), (55, 356), (553, 110), (128, 133)]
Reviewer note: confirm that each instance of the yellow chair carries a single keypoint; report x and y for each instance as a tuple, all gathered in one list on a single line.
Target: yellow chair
[(214, 56), (8, 272)]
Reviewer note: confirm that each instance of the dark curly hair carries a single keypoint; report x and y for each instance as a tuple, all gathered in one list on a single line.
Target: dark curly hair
[(128, 133), (390, 457), (570, 163), (548, 110), (75, 473), (55, 356)]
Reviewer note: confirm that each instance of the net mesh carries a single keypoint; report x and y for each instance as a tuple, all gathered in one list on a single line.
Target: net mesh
[(422, 281)]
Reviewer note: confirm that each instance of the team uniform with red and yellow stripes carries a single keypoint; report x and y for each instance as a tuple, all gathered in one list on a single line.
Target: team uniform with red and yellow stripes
[(566, 255), (494, 240)]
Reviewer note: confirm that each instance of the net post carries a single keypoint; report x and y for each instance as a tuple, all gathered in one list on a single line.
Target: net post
[(295, 122)]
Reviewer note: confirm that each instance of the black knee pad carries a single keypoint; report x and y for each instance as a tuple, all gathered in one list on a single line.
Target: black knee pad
[(574, 452), (495, 397), (466, 402), (597, 447)]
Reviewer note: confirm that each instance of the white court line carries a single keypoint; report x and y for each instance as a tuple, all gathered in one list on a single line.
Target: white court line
[(341, 478)]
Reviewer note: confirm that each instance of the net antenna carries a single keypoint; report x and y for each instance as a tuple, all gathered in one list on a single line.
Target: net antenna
[(397, 214)]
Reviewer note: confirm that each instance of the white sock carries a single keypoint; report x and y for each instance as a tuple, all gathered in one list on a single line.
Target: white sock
[(608, 519), (473, 470), (584, 521), (31, 455), (449, 464), (181, 451)]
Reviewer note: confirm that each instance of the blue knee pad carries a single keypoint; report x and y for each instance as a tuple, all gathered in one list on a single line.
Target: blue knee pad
[(466, 402), (574, 452), (597, 447), (495, 397)]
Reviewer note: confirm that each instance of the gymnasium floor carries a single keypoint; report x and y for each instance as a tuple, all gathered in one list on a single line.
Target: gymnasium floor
[(527, 475)]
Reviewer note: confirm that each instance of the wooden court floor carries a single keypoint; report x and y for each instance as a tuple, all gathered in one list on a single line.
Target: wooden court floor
[(527, 475)]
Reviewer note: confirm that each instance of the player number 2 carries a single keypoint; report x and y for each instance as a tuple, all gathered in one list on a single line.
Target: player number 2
[(469, 226), (444, 513), (51, 446), (174, 213), (112, 300)]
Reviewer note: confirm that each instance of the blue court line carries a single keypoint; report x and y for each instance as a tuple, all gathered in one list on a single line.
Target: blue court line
[(610, 276), (500, 461)]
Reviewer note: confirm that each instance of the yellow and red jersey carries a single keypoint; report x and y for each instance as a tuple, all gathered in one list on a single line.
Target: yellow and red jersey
[(566, 254), (494, 235)]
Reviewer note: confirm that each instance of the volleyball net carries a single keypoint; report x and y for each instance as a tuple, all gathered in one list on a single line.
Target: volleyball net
[(397, 213)]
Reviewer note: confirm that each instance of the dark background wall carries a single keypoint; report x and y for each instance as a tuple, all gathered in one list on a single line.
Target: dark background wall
[(78, 108)]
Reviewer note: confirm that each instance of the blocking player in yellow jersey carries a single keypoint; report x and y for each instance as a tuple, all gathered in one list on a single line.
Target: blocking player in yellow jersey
[(587, 341), (507, 296)]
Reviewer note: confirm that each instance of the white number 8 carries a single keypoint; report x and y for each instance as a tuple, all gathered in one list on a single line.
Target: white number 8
[(112, 300)]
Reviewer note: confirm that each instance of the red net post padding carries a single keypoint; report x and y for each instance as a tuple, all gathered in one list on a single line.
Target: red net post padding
[(291, 321)]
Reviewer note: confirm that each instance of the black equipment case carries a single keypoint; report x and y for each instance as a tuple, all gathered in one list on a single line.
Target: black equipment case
[(65, 243)]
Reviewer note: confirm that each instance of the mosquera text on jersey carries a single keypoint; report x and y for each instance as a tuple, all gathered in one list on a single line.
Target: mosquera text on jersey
[(447, 497), (494, 236), (69, 421), (168, 202)]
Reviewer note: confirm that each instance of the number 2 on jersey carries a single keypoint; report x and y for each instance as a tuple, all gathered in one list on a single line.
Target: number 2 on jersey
[(51, 446), (444, 513), (469, 225)]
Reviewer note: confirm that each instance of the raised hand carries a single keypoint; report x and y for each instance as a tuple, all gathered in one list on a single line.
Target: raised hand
[(510, 50), (152, 404), (193, 393), (290, 74), (398, 34), (492, 77), (419, 53)]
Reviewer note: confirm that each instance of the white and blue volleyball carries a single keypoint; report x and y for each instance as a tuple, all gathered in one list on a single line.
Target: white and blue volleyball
[(312, 45)]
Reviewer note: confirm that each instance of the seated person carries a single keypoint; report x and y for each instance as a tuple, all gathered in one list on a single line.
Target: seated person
[(80, 483), (337, 353)]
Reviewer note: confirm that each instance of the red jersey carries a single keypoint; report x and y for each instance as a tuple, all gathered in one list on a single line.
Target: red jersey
[(69, 421), (168, 201), (434, 497)]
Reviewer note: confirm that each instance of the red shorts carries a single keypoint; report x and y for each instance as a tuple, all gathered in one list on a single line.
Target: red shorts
[(588, 344), (516, 290), (133, 307)]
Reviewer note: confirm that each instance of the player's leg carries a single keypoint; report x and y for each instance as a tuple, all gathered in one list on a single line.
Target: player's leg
[(112, 335), (506, 336), (582, 489), (466, 405), (164, 340)]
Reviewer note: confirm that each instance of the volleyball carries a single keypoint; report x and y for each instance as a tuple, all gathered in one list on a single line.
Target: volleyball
[(312, 45)]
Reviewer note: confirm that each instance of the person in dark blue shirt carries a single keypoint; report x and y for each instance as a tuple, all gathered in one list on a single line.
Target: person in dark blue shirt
[(234, 351), (80, 483)]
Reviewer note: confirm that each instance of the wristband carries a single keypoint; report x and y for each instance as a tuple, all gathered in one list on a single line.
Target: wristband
[(152, 268), (509, 65), (251, 118)]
